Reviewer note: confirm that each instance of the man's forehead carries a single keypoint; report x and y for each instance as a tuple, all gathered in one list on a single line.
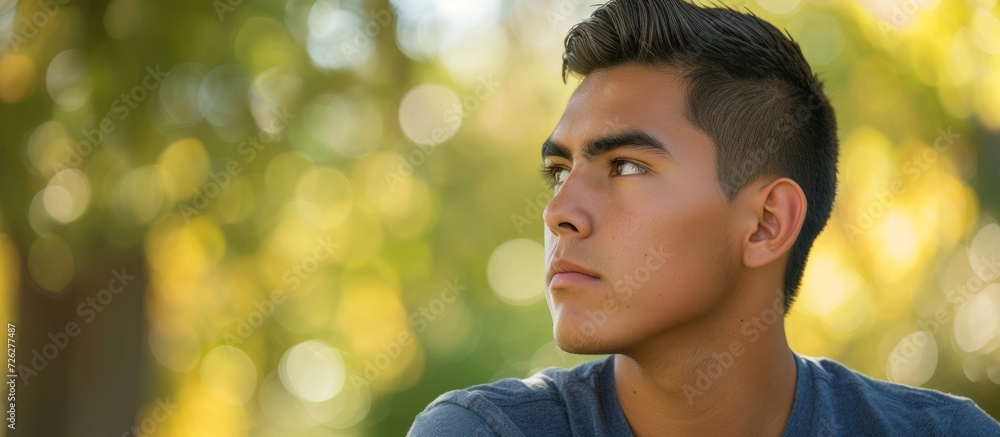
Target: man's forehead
[(626, 96), (632, 80), (618, 100)]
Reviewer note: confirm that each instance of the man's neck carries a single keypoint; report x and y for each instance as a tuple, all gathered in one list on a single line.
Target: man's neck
[(734, 375)]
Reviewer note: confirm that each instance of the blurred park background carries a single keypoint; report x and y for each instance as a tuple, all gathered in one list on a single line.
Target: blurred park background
[(312, 217)]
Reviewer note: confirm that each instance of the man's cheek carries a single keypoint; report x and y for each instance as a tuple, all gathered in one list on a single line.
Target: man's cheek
[(623, 291)]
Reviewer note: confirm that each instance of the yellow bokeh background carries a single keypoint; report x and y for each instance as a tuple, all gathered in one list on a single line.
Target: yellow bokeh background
[(325, 213)]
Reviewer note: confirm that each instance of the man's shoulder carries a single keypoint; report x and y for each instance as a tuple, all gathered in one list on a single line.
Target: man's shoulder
[(848, 382), (850, 393), (550, 384), (505, 405)]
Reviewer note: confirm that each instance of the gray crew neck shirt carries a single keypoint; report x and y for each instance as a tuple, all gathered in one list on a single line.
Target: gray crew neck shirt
[(830, 400)]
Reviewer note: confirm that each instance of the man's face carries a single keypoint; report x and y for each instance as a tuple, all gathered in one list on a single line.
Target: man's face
[(649, 226)]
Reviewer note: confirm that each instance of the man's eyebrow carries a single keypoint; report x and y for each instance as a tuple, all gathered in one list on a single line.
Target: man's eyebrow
[(601, 145)]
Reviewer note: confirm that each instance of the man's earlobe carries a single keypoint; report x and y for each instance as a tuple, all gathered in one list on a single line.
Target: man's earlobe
[(780, 208)]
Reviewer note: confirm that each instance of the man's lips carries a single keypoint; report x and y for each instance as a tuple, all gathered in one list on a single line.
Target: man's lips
[(564, 272), (570, 279)]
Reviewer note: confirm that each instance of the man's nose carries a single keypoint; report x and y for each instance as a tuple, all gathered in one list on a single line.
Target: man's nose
[(568, 213)]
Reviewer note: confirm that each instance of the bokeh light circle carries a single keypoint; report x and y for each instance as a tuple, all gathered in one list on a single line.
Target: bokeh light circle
[(67, 195), (914, 359), (337, 37), (174, 343), (977, 322), (229, 374), (430, 114), (313, 371), (516, 271), (66, 80)]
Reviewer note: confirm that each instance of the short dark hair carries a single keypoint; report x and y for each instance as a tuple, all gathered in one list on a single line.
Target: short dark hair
[(749, 89)]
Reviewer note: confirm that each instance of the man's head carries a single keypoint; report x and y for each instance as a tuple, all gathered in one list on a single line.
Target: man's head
[(726, 175)]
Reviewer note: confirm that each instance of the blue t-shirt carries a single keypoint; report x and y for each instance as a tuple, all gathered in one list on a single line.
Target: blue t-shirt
[(830, 400)]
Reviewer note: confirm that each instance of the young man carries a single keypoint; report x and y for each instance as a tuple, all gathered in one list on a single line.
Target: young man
[(693, 168)]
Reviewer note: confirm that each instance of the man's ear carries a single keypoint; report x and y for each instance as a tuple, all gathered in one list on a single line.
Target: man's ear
[(780, 210)]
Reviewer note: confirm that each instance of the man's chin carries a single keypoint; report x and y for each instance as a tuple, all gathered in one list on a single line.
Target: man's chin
[(576, 340)]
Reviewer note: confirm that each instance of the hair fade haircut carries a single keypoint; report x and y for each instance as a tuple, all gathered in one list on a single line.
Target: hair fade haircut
[(749, 88)]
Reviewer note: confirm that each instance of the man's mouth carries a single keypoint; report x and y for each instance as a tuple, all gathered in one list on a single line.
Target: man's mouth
[(572, 279), (564, 272)]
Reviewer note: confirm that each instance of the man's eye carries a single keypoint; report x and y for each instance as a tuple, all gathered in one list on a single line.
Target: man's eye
[(560, 175), (625, 168), (554, 175)]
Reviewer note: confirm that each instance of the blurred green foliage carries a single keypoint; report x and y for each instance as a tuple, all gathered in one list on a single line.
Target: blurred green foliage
[(312, 217)]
